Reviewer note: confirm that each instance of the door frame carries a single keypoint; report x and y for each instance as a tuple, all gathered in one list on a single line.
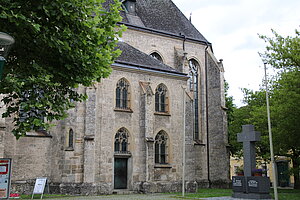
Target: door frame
[(129, 168)]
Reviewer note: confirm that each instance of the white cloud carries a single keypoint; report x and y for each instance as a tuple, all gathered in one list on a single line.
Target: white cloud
[(232, 26)]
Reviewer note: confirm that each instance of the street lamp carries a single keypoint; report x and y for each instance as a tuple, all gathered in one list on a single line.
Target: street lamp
[(6, 42)]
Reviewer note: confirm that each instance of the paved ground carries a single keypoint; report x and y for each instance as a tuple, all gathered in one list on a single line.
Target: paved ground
[(124, 197), (140, 197)]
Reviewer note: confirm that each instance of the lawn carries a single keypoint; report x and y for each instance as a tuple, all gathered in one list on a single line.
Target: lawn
[(202, 193), (283, 194), (45, 196), (288, 194)]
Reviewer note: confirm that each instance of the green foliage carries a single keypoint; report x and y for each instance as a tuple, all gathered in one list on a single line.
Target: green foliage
[(287, 111), (60, 44), (284, 194), (234, 146), (255, 113), (285, 116), (282, 52)]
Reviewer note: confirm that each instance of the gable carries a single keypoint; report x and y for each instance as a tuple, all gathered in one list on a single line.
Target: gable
[(160, 15)]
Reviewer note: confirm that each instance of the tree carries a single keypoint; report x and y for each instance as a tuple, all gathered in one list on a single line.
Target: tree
[(286, 114), (60, 44), (254, 112), (284, 53), (234, 146)]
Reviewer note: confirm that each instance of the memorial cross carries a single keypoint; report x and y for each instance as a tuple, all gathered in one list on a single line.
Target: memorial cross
[(248, 136)]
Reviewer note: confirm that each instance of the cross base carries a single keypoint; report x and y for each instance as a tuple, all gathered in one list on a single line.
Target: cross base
[(251, 187), (251, 196)]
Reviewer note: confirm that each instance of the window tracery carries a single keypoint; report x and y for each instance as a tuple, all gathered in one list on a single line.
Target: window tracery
[(161, 147), (123, 94), (161, 99), (121, 141), (194, 87)]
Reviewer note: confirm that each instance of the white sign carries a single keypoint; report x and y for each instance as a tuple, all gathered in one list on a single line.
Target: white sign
[(39, 185), (252, 183), (237, 183)]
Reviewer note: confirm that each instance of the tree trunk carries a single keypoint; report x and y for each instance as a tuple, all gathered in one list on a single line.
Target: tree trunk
[(296, 173)]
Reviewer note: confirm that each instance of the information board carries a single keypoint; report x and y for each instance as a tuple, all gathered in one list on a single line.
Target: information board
[(39, 186), (5, 171)]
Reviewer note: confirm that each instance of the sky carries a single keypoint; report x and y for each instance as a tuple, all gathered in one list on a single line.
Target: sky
[(232, 26)]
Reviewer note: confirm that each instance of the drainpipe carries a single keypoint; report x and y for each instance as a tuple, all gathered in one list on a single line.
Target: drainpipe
[(207, 126), (184, 39), (147, 150), (183, 144)]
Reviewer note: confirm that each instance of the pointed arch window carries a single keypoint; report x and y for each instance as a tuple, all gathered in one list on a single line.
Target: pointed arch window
[(121, 141), (194, 87), (161, 148), (161, 99), (123, 94), (156, 56)]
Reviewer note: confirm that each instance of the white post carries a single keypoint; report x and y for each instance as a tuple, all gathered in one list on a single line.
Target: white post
[(183, 144), (270, 137)]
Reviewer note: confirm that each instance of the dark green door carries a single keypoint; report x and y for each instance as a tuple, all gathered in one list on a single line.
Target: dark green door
[(120, 174), (283, 174)]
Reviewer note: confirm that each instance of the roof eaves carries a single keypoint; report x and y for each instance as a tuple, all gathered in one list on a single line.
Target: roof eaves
[(139, 66)]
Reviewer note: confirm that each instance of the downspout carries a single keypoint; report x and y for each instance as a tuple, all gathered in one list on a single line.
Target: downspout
[(145, 134), (184, 39), (207, 126)]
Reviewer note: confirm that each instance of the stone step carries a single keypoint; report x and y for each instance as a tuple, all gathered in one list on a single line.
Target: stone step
[(123, 191)]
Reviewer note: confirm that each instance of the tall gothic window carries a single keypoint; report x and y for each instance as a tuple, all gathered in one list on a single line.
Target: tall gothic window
[(122, 94), (121, 141), (161, 99), (194, 87), (161, 145), (156, 56)]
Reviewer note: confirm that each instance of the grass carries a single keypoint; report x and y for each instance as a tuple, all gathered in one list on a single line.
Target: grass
[(45, 196), (203, 193), (283, 194), (288, 194)]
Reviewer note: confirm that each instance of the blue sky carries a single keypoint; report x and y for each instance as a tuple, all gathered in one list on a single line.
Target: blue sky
[(232, 26)]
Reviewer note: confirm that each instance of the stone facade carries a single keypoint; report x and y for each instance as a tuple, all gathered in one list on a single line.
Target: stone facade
[(85, 162)]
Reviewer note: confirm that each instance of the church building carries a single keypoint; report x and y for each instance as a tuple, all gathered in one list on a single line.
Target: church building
[(160, 113)]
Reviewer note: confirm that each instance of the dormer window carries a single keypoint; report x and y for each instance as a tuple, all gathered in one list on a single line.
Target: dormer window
[(156, 56), (129, 6)]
